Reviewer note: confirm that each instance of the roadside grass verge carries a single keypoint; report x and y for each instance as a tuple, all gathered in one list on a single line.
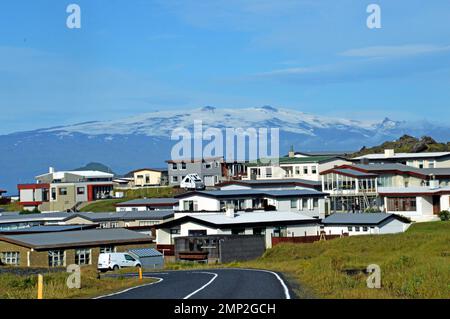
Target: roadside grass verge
[(12, 207), (14, 286), (414, 264)]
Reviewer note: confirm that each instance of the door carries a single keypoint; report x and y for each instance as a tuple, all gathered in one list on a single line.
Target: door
[(436, 205)]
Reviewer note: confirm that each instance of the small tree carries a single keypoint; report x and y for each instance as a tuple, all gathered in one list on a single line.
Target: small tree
[(444, 215)]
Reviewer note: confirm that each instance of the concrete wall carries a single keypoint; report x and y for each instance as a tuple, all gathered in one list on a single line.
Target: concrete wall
[(154, 178)]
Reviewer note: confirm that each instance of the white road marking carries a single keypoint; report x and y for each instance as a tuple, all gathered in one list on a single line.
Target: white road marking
[(205, 285), (283, 284), (126, 290)]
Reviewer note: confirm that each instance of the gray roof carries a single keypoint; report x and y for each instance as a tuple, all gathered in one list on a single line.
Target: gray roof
[(149, 201), (48, 228), (145, 252), (256, 192), (91, 237), (16, 217), (359, 218)]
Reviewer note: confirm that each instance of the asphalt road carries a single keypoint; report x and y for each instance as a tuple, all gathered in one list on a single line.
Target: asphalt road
[(209, 284)]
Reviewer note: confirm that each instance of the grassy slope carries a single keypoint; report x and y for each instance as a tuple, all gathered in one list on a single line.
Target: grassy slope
[(25, 287), (107, 205), (415, 264)]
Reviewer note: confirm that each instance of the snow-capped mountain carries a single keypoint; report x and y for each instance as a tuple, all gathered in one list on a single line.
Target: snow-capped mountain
[(144, 140)]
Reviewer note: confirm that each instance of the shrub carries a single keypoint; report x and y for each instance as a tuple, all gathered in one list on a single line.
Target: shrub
[(444, 215)]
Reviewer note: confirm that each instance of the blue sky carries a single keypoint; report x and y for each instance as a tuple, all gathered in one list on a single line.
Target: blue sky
[(135, 56)]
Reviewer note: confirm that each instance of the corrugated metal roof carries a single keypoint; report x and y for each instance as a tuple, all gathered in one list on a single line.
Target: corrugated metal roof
[(74, 238), (357, 218), (48, 228), (260, 192), (353, 172), (145, 252)]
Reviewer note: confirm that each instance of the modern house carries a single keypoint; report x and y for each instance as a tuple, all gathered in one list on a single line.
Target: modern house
[(418, 160), (301, 167), (394, 188), (59, 249), (65, 190), (268, 224), (306, 201), (365, 224), (212, 170), (143, 204)]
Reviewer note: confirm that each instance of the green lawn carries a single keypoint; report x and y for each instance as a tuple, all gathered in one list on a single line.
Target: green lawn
[(414, 264)]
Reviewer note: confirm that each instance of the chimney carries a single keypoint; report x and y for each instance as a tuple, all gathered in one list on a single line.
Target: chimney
[(51, 169), (291, 152), (389, 152), (229, 212)]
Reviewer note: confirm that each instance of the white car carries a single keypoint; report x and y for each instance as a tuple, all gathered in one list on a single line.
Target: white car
[(115, 261), (192, 181)]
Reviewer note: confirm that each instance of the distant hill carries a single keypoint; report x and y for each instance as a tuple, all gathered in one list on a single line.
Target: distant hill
[(93, 166), (407, 144)]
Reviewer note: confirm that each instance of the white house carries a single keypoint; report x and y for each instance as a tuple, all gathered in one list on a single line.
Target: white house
[(306, 201), (278, 224), (282, 183), (365, 224)]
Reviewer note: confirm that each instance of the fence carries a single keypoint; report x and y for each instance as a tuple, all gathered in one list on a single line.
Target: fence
[(166, 250)]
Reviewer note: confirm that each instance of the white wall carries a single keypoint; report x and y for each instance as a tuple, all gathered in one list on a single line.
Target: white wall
[(445, 202), (203, 202)]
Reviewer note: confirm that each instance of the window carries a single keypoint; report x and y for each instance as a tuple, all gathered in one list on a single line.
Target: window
[(183, 165), (114, 224), (10, 258), (147, 222), (259, 231), (432, 164), (174, 165), (62, 191), (107, 249), (350, 228), (197, 232), (280, 231), (129, 258), (297, 170), (174, 179), (420, 164), (83, 256), (56, 258), (365, 228), (190, 205), (314, 169), (53, 193), (208, 165), (140, 176), (175, 231), (293, 203), (401, 204), (300, 202), (315, 202), (134, 209), (80, 190), (305, 169), (356, 228), (238, 231)]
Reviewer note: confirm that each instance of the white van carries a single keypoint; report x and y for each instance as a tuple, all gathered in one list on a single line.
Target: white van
[(192, 181), (114, 261)]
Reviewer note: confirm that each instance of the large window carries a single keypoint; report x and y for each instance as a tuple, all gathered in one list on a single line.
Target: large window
[(10, 258), (62, 191), (80, 190), (401, 204), (183, 165), (56, 258), (174, 165), (190, 205), (82, 256), (107, 249), (293, 203)]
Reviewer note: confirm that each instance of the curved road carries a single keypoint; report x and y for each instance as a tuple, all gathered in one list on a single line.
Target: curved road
[(209, 284)]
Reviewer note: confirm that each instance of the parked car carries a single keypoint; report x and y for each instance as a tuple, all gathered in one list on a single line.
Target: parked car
[(192, 181), (115, 261)]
